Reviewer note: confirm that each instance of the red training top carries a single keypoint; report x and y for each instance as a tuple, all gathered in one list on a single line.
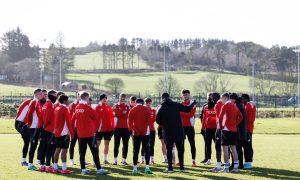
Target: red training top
[(22, 111), (48, 116), (105, 118), (139, 120), (188, 119), (85, 120), (33, 117), (251, 115), (63, 123), (209, 118), (230, 117), (121, 112)]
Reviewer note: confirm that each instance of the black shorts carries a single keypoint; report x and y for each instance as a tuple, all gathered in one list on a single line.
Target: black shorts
[(62, 142), (160, 133), (218, 140), (189, 132), (106, 135), (228, 138)]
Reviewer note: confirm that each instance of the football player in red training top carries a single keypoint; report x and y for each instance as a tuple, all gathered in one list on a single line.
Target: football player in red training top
[(121, 111), (72, 108), (85, 123), (209, 125), (148, 104), (188, 122), (251, 115), (33, 121), (47, 148), (218, 146), (230, 117), (63, 133), (139, 122), (104, 125), (21, 127)]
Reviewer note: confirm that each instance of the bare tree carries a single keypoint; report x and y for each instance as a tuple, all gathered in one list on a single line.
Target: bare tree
[(115, 85), (173, 85), (213, 82)]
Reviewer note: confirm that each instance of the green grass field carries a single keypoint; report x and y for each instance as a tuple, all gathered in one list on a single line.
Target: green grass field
[(144, 83), (7, 90), (94, 60), (276, 156)]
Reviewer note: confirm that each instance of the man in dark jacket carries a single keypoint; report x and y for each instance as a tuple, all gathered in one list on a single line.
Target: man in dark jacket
[(168, 116), (241, 129)]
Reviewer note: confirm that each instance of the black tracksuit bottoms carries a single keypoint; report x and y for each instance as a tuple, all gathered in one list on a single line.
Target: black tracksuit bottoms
[(125, 135), (180, 149), (137, 141), (92, 143)]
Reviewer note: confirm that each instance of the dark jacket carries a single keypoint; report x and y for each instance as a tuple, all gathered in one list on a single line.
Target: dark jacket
[(241, 129), (168, 116)]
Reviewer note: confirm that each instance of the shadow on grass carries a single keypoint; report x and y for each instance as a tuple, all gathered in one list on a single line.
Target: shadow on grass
[(262, 172), (125, 172)]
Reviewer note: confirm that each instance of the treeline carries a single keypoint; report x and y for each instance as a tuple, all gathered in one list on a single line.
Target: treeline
[(200, 54), (22, 62)]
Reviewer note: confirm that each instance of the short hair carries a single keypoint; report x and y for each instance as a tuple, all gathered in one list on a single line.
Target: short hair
[(37, 91), (63, 98), (246, 96), (147, 100), (122, 95), (225, 95), (102, 96), (60, 93), (165, 96), (44, 90), (133, 98), (84, 95), (51, 92), (215, 96), (184, 91), (233, 96), (208, 94), (140, 101)]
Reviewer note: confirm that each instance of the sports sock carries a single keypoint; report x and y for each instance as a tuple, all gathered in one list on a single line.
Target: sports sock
[(30, 164), (147, 166), (116, 159), (219, 165), (143, 158), (152, 158), (134, 167), (64, 166), (23, 159), (55, 166), (123, 160), (47, 167), (165, 156), (236, 164), (105, 157), (193, 161)]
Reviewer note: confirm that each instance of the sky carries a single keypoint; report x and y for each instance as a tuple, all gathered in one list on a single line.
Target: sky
[(267, 22)]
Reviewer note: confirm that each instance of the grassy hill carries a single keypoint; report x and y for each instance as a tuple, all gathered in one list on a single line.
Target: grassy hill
[(144, 82), (94, 60)]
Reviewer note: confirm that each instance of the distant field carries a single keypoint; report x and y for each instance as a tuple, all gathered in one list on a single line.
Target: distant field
[(94, 60), (7, 90), (144, 82)]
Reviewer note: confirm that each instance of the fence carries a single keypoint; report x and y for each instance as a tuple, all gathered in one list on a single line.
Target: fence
[(278, 104)]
